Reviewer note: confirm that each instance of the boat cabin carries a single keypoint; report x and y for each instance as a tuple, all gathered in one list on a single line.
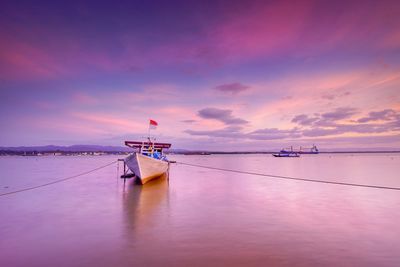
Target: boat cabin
[(151, 149)]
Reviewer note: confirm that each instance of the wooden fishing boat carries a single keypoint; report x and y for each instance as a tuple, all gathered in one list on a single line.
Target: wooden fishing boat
[(148, 161)]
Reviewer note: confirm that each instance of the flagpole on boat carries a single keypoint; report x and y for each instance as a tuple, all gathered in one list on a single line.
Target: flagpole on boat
[(152, 124), (149, 132)]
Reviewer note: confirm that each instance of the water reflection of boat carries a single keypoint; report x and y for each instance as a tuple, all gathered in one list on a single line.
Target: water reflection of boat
[(142, 204), (148, 162)]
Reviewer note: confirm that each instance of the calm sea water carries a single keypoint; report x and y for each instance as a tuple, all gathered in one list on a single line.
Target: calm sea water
[(202, 217)]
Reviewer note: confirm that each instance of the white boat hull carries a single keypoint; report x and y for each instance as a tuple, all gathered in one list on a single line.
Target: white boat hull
[(146, 168)]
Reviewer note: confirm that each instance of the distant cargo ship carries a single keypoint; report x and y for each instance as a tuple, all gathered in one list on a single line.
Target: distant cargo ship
[(302, 150), (311, 150)]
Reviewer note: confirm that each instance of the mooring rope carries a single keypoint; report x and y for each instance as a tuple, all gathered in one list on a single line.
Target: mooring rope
[(211, 168), (289, 177), (59, 180)]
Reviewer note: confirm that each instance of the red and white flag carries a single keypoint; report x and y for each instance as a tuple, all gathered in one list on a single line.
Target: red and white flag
[(153, 124)]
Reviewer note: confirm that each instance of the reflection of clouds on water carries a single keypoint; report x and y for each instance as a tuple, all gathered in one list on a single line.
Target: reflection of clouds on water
[(143, 205)]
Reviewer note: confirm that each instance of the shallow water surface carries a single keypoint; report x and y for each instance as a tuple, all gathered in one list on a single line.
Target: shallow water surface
[(202, 217)]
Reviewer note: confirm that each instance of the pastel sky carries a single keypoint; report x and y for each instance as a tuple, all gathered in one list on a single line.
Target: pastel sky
[(225, 75)]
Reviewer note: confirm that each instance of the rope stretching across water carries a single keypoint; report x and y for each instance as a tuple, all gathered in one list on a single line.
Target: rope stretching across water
[(211, 168), (59, 180), (290, 178)]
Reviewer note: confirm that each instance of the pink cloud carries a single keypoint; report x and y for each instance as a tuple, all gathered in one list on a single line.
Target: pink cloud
[(255, 30), (24, 59), (301, 28), (357, 88), (19, 60), (264, 29), (232, 88)]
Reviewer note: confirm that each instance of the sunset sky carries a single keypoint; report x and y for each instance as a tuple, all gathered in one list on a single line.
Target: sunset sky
[(225, 75)]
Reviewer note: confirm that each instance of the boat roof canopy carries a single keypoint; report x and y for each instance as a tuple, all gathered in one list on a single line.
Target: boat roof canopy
[(136, 144)]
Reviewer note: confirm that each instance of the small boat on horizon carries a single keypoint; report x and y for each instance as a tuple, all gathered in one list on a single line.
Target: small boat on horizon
[(286, 155)]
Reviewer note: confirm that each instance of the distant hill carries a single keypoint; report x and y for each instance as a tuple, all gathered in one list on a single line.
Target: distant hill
[(119, 149), (77, 148), (74, 148)]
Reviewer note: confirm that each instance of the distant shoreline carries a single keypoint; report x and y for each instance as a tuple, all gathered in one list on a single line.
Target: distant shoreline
[(273, 152), (97, 150), (101, 153)]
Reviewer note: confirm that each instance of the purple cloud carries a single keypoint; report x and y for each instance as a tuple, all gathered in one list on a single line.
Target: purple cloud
[(312, 130), (396, 123), (339, 114), (232, 88), (223, 115), (384, 115), (327, 119), (334, 95), (328, 96), (316, 125), (348, 128), (326, 123), (304, 119)]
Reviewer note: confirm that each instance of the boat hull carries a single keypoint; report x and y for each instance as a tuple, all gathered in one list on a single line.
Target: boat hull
[(146, 168), (286, 155)]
